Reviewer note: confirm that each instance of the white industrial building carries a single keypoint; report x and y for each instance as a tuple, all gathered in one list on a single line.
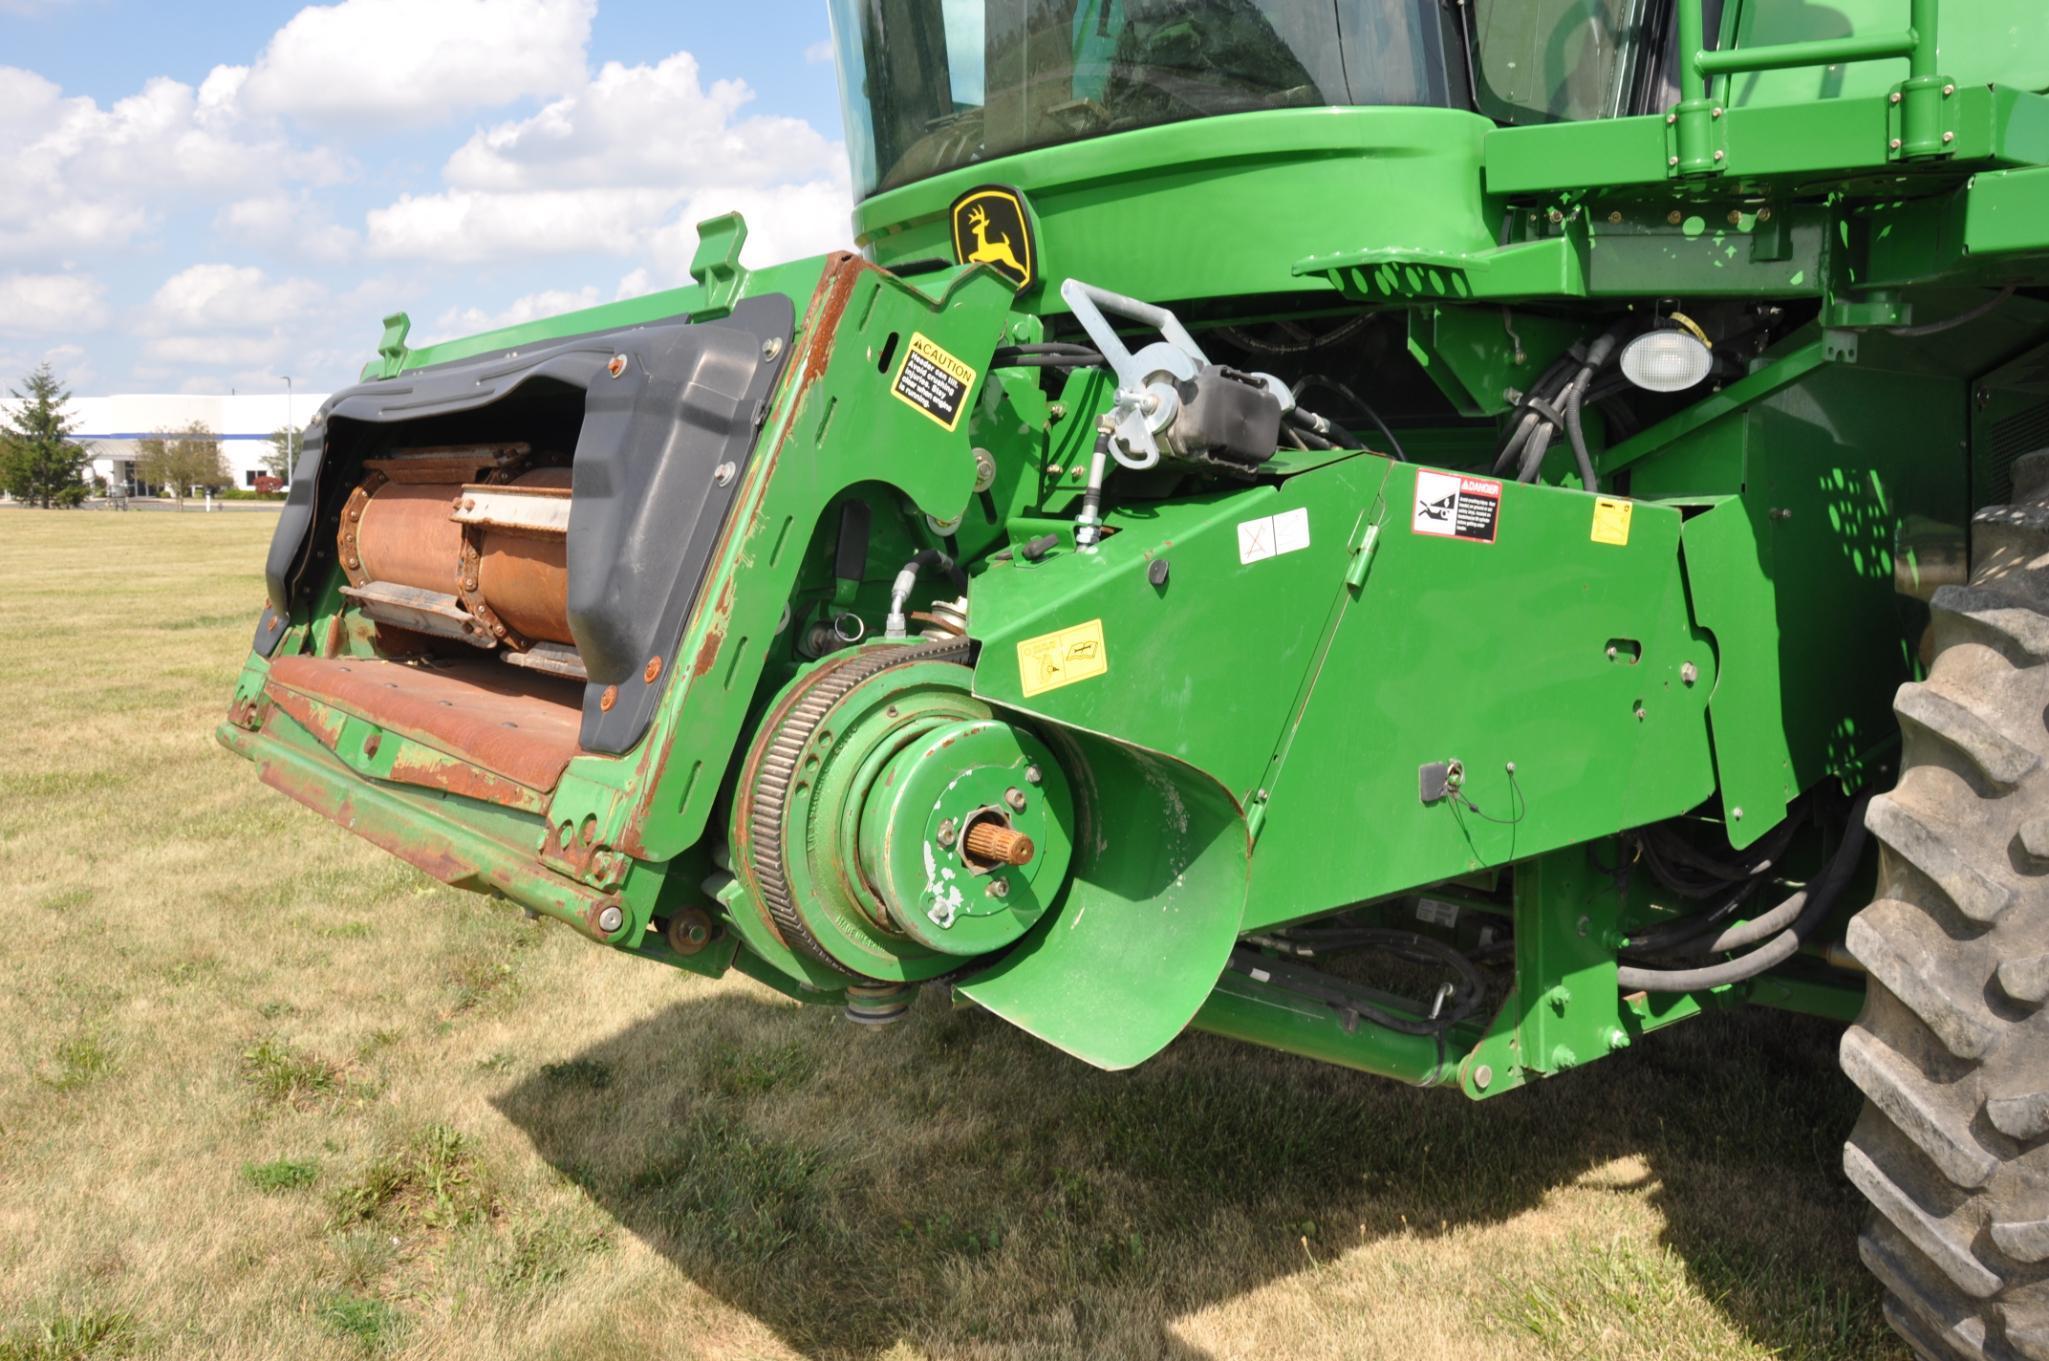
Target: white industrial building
[(109, 427)]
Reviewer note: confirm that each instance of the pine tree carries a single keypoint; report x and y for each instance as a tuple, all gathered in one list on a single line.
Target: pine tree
[(39, 463)]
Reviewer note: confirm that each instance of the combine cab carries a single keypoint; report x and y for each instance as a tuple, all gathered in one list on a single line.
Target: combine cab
[(1436, 538)]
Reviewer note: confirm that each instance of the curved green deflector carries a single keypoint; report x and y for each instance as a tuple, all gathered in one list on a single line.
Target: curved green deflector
[(1148, 920)]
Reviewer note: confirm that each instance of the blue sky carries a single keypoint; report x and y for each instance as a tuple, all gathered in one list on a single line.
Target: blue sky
[(205, 198)]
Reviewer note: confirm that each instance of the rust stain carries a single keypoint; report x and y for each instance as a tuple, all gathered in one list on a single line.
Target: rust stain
[(431, 770), (436, 860), (317, 719)]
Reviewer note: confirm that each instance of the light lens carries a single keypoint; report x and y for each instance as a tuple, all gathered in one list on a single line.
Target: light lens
[(1665, 361)]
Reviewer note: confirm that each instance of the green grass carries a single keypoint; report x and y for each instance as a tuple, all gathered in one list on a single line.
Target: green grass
[(266, 1092)]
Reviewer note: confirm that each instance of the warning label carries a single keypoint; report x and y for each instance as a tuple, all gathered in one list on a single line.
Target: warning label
[(1052, 660), (933, 381), (1611, 520), (1452, 506)]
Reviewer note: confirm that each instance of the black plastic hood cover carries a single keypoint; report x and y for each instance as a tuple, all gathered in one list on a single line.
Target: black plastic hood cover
[(662, 452)]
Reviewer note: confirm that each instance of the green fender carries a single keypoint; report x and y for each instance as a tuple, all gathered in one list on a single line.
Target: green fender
[(1161, 865)]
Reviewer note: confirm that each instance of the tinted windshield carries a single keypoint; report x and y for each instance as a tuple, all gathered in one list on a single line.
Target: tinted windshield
[(931, 85)]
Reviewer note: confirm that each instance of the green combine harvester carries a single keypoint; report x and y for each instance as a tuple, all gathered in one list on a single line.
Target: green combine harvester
[(1440, 536)]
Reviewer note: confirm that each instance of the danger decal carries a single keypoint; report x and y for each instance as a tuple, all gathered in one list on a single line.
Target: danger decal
[(1453, 506)]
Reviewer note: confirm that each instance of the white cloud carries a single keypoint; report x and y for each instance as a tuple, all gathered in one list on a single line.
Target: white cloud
[(80, 176), (469, 321), (51, 304), (228, 298), (628, 165), (288, 222), (819, 52), (403, 62)]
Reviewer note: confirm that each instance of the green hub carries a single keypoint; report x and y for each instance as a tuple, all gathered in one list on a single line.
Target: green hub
[(915, 826), (860, 793)]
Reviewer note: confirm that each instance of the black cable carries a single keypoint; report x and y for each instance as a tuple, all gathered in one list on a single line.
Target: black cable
[(1336, 388), (1466, 997), (1965, 318), (1816, 900)]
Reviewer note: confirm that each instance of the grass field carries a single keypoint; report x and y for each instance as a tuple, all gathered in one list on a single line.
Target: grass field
[(267, 1092)]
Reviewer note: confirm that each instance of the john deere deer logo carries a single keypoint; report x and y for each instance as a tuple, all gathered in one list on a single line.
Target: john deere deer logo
[(991, 227)]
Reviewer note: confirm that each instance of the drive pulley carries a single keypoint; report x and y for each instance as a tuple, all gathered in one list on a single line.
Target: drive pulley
[(891, 825)]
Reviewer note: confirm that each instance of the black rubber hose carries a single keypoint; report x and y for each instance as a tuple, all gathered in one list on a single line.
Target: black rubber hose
[(1816, 901), (933, 557), (1336, 388)]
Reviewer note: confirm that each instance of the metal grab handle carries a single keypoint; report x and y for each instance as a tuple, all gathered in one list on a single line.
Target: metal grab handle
[(1697, 65), (1088, 304)]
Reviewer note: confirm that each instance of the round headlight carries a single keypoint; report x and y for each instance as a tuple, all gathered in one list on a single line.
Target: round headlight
[(1666, 361)]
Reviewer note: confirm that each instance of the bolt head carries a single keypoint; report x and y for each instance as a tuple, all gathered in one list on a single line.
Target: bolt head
[(1614, 217), (1483, 1077), (1948, 90), (947, 832), (617, 367), (1033, 775), (999, 888), (1688, 673), (1894, 144), (1718, 155), (771, 347), (1715, 114), (1895, 96), (1675, 217), (724, 473), (1736, 815), (1671, 160), (1948, 137), (610, 919), (1015, 799)]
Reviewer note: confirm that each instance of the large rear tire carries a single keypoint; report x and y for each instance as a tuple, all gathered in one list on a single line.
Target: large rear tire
[(1952, 1048)]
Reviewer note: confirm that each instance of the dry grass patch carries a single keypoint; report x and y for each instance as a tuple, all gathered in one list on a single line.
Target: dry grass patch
[(266, 1092)]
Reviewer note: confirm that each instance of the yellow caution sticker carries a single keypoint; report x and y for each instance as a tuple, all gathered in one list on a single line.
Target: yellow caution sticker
[(1611, 520), (1052, 660), (933, 381)]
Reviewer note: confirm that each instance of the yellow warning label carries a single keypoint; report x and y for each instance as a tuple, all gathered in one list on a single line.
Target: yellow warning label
[(933, 381), (1611, 520), (1052, 660)]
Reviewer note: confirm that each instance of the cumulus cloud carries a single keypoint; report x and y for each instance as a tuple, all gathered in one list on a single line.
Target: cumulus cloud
[(51, 304), (292, 223), (628, 165), (81, 176), (549, 302), (402, 62), (228, 298)]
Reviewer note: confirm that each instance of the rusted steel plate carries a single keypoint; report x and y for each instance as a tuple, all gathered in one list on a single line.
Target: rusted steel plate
[(405, 535), (516, 724)]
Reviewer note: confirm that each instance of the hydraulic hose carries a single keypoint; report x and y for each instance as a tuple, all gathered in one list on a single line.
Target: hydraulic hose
[(1088, 526), (1813, 905), (897, 626)]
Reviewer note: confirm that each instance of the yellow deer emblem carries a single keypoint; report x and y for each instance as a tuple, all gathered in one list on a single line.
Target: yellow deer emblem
[(987, 252)]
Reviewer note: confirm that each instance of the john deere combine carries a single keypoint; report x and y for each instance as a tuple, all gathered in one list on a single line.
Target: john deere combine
[(1433, 536)]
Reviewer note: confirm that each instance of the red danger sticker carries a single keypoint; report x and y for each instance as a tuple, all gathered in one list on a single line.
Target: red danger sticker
[(1453, 506)]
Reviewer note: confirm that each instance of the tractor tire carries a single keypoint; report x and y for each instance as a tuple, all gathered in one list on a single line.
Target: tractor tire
[(1951, 1049)]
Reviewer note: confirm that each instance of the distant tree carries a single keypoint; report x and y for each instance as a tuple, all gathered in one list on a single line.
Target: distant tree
[(39, 462), (285, 443), (180, 460)]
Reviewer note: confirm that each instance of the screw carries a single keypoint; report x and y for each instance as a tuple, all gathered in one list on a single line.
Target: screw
[(723, 474), (1948, 90), (609, 920), (617, 368), (1895, 96), (1556, 216), (1736, 814), (1614, 217), (1688, 673), (1670, 119), (1015, 799), (771, 347), (1671, 160), (1718, 155), (608, 699), (946, 832), (652, 670), (1948, 137), (999, 888), (1675, 217), (1764, 214), (1639, 712), (1716, 114), (1735, 217), (1894, 144), (1033, 775)]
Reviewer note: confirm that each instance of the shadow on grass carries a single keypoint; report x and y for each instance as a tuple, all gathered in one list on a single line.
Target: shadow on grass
[(952, 1182)]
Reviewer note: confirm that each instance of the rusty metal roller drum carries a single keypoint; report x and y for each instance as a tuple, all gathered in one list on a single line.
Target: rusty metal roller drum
[(406, 537), (525, 577)]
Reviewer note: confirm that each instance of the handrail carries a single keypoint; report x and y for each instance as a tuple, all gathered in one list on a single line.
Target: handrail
[(1920, 96)]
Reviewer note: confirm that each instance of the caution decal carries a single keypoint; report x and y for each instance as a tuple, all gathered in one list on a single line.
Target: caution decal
[(1052, 660), (933, 381), (1611, 520), (1453, 506)]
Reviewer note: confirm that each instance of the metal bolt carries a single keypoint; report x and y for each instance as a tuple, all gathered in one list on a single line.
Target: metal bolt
[(651, 670), (985, 469), (1555, 215), (1718, 155), (1483, 1078), (999, 888), (1675, 217), (371, 743), (1688, 673), (610, 919), (1948, 90), (608, 699), (723, 474), (1670, 119), (771, 347), (1015, 799), (1736, 815), (1671, 160), (1615, 217), (1894, 144), (617, 368), (1764, 214), (1948, 137), (1735, 217), (469, 503), (1585, 924), (1895, 98), (1639, 712), (946, 832), (1033, 775), (1715, 114)]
